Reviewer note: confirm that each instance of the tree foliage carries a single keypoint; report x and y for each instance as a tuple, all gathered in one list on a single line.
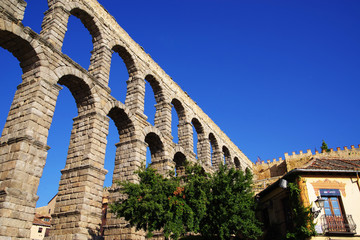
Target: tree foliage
[(155, 203), (231, 208), (217, 206), (324, 147)]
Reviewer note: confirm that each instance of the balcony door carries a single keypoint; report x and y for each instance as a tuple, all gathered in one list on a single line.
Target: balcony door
[(334, 214)]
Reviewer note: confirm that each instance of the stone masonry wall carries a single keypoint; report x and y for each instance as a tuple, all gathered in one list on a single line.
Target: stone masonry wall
[(23, 143)]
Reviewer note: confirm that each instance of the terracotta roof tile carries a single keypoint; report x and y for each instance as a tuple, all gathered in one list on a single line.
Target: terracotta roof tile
[(41, 222), (335, 164), (38, 220)]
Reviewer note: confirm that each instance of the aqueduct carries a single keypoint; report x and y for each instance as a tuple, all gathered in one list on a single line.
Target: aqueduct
[(23, 144)]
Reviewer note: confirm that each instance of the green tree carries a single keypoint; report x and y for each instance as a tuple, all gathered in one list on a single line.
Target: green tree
[(197, 188), (217, 206), (231, 207), (324, 147), (155, 203)]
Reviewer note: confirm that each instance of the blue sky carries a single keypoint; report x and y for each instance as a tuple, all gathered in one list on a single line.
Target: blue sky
[(275, 76)]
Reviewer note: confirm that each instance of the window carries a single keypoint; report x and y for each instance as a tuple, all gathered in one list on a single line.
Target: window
[(332, 207), (334, 214), (335, 220), (40, 230)]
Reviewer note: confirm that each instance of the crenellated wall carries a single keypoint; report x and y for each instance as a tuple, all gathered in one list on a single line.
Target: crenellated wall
[(46, 70), (276, 168)]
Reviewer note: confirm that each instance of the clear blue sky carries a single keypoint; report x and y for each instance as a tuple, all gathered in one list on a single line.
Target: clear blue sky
[(275, 76)]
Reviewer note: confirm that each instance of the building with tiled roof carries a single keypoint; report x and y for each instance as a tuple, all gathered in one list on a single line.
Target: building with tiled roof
[(40, 227), (332, 177)]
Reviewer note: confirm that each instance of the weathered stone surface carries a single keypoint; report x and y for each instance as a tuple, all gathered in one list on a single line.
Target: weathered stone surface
[(23, 143)]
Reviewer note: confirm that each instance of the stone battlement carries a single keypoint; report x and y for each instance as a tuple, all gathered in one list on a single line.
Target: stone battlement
[(355, 152), (280, 166)]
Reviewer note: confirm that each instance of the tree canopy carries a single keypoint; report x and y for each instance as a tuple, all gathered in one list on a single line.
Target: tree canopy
[(217, 206), (324, 147)]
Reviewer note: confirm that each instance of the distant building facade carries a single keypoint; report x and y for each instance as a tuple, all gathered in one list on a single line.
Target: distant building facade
[(40, 227)]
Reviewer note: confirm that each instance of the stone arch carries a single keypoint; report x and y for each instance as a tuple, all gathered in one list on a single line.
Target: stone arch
[(57, 17), (151, 129), (182, 128), (180, 161), (122, 122), (215, 156), (198, 126), (86, 154), (80, 86), (87, 19), (126, 56), (133, 82), (114, 104), (177, 148), (237, 163), (163, 108), (101, 60), (22, 46), (203, 149), (123, 155), (180, 110), (156, 87), (226, 155), (157, 150), (79, 89)]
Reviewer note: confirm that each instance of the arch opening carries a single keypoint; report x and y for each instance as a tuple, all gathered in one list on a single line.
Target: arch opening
[(21, 49), (214, 148), (180, 161), (226, 156), (156, 148), (178, 122), (59, 141), (121, 66), (237, 163), (80, 37), (122, 122), (153, 96), (117, 154), (79, 90), (87, 21), (195, 141), (174, 125), (199, 136)]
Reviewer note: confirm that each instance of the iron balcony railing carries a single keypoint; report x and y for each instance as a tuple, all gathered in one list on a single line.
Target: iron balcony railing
[(338, 224)]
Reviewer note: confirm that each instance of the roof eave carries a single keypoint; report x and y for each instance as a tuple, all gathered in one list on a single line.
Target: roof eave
[(304, 171)]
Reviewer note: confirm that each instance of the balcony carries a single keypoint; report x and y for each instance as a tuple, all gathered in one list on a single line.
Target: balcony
[(338, 224)]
